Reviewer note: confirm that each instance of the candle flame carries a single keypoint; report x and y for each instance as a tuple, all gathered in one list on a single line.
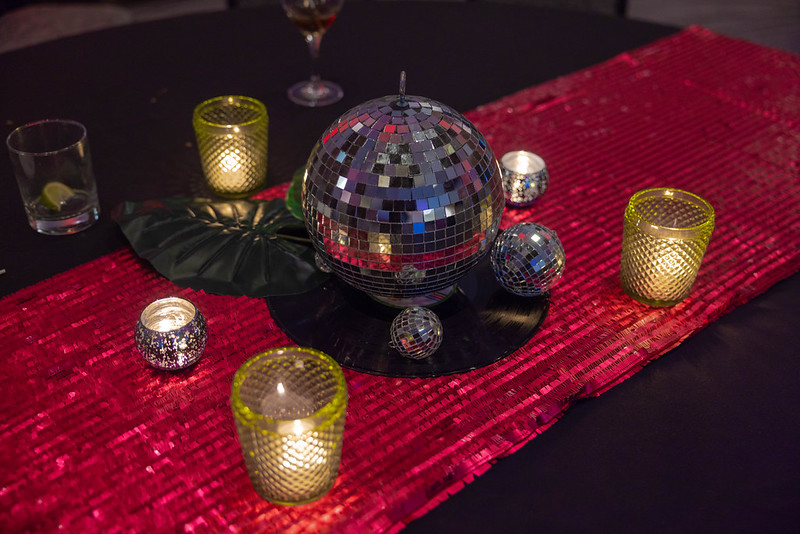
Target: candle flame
[(303, 451), (231, 161), (171, 320)]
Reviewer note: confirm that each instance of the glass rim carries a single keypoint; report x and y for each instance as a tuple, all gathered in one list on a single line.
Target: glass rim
[(321, 418), (646, 225), (195, 313), (258, 106), (45, 122), (532, 155)]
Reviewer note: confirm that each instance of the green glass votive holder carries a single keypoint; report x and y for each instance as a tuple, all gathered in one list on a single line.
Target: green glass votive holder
[(232, 139), (665, 235), (289, 406)]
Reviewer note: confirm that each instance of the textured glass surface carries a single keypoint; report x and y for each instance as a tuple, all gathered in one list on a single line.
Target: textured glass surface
[(402, 197), (289, 405), (171, 333), (665, 235), (232, 139), (525, 177), (416, 333), (528, 259)]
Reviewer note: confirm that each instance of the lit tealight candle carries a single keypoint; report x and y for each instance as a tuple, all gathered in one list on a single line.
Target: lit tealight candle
[(232, 138), (525, 177), (231, 162), (171, 333), (665, 234), (289, 406)]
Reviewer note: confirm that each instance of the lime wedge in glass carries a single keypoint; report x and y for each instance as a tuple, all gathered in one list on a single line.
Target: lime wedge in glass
[(55, 195)]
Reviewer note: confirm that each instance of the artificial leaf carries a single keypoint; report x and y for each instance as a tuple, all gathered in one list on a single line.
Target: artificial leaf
[(239, 247), (294, 201)]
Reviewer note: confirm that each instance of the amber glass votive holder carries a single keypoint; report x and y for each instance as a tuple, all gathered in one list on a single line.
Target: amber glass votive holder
[(289, 406), (232, 139), (665, 235), (171, 333)]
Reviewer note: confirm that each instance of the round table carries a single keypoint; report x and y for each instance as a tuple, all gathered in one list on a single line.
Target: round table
[(704, 440)]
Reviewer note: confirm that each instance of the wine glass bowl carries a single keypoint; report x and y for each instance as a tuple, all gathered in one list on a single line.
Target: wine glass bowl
[(313, 18)]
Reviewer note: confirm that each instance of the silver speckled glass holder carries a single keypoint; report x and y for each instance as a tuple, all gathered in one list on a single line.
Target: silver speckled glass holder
[(525, 178), (171, 333)]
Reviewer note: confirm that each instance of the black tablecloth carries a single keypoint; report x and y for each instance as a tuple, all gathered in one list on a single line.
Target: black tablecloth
[(703, 440)]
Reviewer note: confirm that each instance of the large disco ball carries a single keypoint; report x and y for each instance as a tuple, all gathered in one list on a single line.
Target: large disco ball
[(402, 196)]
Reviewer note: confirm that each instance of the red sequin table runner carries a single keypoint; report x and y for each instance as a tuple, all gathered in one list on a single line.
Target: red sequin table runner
[(95, 440)]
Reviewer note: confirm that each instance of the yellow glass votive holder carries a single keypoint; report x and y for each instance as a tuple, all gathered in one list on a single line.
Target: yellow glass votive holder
[(232, 140), (289, 406), (664, 238)]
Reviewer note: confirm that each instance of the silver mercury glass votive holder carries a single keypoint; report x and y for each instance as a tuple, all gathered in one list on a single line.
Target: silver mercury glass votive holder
[(171, 333), (525, 178)]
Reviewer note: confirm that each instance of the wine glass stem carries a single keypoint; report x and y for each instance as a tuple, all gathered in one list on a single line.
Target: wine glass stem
[(314, 41)]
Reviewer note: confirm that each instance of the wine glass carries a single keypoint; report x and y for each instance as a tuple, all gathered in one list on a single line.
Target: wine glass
[(313, 18)]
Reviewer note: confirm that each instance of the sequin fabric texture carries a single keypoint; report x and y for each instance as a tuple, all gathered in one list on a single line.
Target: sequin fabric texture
[(402, 197)]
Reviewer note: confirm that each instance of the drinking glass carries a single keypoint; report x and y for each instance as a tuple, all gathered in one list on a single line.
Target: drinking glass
[(53, 167), (313, 18)]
